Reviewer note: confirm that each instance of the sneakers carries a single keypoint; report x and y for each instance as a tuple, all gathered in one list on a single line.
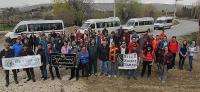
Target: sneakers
[(70, 78), (28, 79), (163, 81), (34, 80), (109, 76), (115, 76)]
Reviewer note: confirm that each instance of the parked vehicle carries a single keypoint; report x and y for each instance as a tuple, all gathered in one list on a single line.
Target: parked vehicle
[(111, 24), (35, 26), (163, 23), (144, 24)]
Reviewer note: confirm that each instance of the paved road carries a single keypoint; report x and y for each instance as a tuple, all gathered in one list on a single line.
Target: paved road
[(183, 28)]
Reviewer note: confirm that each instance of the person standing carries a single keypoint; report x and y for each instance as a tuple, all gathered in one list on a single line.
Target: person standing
[(43, 69), (29, 71), (103, 58), (52, 50), (112, 63), (173, 47), (75, 70), (192, 50), (183, 51), (93, 58), (134, 49), (33, 41), (84, 59), (148, 59), (167, 59), (8, 53)]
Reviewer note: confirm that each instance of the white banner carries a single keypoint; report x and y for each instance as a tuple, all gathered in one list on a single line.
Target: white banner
[(129, 61), (21, 62)]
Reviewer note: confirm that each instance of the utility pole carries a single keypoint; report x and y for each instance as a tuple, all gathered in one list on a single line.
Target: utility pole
[(114, 7)]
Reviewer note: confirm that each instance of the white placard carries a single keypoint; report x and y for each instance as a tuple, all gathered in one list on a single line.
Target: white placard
[(21, 62), (129, 61)]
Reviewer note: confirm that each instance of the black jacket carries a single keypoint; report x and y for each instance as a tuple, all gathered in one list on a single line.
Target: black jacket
[(103, 53), (42, 54), (6, 54)]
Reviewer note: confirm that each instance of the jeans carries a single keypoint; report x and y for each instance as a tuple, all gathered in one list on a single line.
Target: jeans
[(93, 66), (190, 62), (181, 62), (163, 72), (112, 68), (103, 67), (131, 73), (43, 70)]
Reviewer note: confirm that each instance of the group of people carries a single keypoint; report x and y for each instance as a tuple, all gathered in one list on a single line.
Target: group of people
[(96, 53)]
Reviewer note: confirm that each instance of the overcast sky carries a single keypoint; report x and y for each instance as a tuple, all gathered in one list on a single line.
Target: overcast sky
[(17, 3)]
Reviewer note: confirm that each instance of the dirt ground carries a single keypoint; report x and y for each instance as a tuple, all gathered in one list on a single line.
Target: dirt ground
[(177, 81)]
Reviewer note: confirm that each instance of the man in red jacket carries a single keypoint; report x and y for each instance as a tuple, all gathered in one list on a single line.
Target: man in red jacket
[(173, 48)]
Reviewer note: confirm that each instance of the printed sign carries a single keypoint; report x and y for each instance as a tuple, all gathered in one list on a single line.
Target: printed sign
[(128, 61), (66, 60), (21, 62)]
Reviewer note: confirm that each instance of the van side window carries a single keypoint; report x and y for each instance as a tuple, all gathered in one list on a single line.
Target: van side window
[(117, 23), (169, 21), (92, 26), (56, 26), (98, 25), (21, 28), (141, 23), (136, 23)]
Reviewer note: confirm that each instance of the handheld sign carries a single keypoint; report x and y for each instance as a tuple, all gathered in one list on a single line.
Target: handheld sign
[(65, 60), (128, 61), (21, 62)]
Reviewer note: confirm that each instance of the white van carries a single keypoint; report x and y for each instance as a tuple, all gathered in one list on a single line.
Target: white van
[(163, 23), (144, 24), (36, 26), (111, 24)]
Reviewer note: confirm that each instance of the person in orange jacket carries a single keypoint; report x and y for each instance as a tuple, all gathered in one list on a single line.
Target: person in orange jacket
[(148, 59), (155, 42), (162, 35), (112, 63), (173, 46)]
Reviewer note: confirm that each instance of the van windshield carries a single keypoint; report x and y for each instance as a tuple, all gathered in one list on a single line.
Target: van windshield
[(85, 25), (130, 23), (160, 21)]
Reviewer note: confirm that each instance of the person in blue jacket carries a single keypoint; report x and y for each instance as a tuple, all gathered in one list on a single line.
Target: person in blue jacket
[(84, 59)]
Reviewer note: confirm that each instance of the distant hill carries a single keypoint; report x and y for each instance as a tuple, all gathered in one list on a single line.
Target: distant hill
[(160, 7), (107, 7)]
